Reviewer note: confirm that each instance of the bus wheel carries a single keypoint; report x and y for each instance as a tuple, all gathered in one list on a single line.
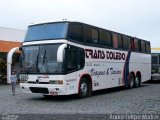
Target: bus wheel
[(131, 81), (83, 88), (137, 82)]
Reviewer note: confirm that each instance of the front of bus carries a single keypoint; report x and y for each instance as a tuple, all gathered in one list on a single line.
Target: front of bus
[(42, 60)]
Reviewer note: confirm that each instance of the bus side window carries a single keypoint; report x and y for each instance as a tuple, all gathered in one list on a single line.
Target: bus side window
[(71, 59), (81, 58), (148, 49), (120, 42), (139, 46), (75, 32), (94, 35), (136, 45), (126, 42), (106, 38), (88, 34), (143, 47)]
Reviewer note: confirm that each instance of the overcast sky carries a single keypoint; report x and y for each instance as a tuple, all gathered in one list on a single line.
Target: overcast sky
[(140, 18)]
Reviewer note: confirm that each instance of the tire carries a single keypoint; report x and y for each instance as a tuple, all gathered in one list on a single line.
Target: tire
[(131, 81), (83, 88), (137, 82)]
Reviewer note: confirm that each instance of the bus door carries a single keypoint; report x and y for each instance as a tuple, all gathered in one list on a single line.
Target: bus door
[(75, 60)]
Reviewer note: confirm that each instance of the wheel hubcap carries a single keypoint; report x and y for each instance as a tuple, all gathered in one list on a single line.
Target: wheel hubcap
[(137, 80), (84, 89), (131, 82)]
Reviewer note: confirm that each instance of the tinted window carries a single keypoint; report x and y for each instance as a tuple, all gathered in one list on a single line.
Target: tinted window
[(88, 34), (137, 44), (120, 42), (46, 31), (105, 38), (75, 32), (75, 58), (95, 35), (126, 42), (148, 49), (143, 47), (81, 58), (71, 59), (91, 34), (155, 59)]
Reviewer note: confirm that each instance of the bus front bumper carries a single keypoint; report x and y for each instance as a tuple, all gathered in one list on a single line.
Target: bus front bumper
[(46, 89)]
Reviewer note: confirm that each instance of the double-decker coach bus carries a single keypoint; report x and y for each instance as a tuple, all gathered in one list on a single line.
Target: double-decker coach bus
[(63, 58)]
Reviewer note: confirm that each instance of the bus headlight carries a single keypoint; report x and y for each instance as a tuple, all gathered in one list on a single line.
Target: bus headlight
[(56, 82)]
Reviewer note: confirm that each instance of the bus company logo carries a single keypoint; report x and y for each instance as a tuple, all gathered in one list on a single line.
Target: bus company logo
[(99, 54)]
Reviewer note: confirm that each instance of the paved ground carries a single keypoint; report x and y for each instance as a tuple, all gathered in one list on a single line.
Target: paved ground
[(142, 100)]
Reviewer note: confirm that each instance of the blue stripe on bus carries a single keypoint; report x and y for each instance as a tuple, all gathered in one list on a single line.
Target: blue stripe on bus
[(126, 69)]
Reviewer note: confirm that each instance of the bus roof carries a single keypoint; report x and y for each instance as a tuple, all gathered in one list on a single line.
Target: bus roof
[(72, 21)]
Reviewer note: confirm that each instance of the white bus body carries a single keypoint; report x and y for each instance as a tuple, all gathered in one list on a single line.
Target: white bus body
[(103, 67)]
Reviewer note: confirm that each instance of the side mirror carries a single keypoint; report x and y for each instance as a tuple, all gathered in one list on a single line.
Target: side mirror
[(60, 52)]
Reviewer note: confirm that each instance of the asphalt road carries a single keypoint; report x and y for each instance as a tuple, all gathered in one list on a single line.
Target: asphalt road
[(142, 100)]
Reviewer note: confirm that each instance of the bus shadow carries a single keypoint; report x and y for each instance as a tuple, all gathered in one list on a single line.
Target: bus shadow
[(61, 98), (65, 98), (114, 90), (153, 82)]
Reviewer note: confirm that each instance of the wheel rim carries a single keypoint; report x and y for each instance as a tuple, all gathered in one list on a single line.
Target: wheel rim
[(131, 82), (137, 81), (84, 89)]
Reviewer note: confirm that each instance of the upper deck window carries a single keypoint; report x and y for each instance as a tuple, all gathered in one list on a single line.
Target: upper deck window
[(143, 47), (126, 42), (105, 38), (148, 49), (120, 41), (47, 31), (75, 32), (90, 34)]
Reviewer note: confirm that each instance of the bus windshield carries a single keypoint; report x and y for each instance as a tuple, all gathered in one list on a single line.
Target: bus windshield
[(41, 59), (47, 31)]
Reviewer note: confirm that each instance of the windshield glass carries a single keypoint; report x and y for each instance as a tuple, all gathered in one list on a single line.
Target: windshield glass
[(46, 31), (41, 59)]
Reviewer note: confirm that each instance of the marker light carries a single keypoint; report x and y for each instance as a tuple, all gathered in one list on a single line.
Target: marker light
[(56, 82)]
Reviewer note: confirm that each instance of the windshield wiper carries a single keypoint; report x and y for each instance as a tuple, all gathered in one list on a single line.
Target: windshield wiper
[(44, 57)]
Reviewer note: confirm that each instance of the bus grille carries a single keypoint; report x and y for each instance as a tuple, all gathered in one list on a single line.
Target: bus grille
[(39, 90), (32, 82)]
